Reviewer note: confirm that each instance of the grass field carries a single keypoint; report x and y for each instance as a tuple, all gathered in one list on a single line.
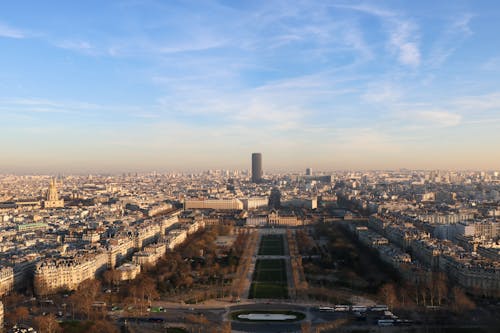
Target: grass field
[(269, 280), (272, 245)]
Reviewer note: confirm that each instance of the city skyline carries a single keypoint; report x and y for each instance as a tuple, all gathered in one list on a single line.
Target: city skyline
[(145, 85)]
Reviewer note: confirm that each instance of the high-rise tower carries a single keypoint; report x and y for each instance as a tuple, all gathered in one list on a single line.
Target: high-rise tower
[(257, 168)]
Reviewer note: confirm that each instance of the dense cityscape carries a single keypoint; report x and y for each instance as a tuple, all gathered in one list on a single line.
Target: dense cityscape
[(98, 248), (263, 166)]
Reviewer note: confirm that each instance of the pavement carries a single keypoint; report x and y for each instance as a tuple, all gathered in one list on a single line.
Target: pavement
[(248, 280), (289, 273)]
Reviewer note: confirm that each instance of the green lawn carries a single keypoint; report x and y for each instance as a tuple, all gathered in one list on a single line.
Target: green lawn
[(272, 276), (272, 245), (268, 290), (269, 280), (269, 264)]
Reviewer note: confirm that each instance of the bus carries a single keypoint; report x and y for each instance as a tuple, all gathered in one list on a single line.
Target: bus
[(379, 308), (326, 309), (341, 308), (359, 308), (385, 322)]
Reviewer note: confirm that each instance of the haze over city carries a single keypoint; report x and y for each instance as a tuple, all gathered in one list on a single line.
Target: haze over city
[(151, 85), (253, 166)]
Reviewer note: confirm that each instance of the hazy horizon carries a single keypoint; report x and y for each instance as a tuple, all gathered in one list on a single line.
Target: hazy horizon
[(126, 86)]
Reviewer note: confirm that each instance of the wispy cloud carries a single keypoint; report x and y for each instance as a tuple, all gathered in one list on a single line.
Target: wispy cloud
[(455, 33), (383, 93), (76, 45), (403, 40), (362, 139), (403, 32), (78, 109), (477, 103), (492, 64), (439, 118), (11, 32)]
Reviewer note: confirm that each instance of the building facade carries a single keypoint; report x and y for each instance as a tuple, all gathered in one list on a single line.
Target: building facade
[(52, 199), (217, 204), (53, 274), (6, 280)]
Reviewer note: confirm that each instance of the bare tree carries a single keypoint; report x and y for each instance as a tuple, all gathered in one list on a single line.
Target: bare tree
[(149, 288), (47, 324), (461, 302), (388, 294), (441, 285), (305, 327), (19, 315), (85, 296), (225, 327)]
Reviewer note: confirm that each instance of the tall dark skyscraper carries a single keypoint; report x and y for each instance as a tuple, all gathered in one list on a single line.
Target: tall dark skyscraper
[(256, 168)]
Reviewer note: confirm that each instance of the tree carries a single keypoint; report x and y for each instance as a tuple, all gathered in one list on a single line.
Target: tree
[(461, 302), (225, 327), (85, 296), (389, 295), (197, 321), (111, 277), (305, 327), (149, 289), (441, 285), (12, 299), (22, 313), (19, 315), (47, 324)]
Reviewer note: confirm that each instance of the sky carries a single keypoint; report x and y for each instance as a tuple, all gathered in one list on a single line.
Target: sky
[(132, 85)]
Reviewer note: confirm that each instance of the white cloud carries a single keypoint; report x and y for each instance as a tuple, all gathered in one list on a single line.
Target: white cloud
[(479, 103), (403, 42), (409, 53), (439, 118), (10, 32), (77, 45), (382, 93)]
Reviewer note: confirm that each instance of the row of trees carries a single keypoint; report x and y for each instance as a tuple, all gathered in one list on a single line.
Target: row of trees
[(299, 280), (431, 291), (306, 245), (240, 280), (198, 269), (411, 289), (48, 323)]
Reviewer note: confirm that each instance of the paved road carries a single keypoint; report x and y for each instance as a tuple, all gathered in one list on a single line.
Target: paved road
[(220, 314)]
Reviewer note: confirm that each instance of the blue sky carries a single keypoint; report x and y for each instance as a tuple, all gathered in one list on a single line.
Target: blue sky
[(174, 85)]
